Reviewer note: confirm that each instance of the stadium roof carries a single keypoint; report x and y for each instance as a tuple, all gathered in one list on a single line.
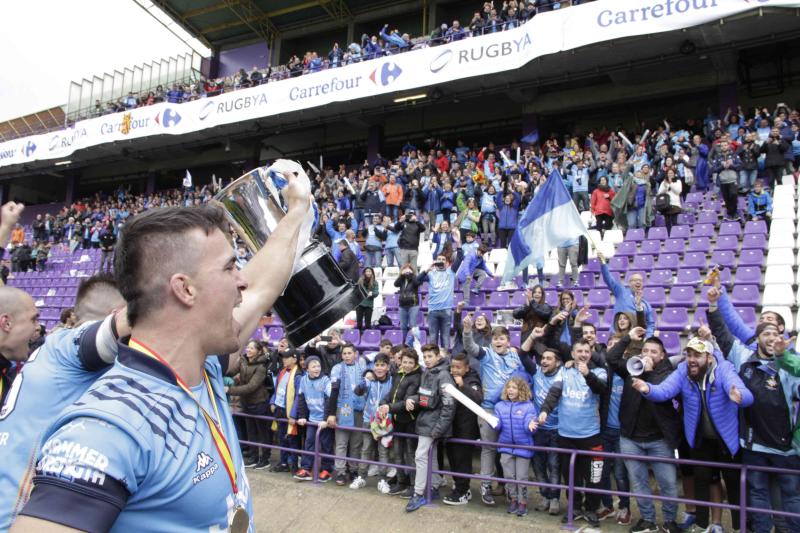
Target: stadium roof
[(226, 23)]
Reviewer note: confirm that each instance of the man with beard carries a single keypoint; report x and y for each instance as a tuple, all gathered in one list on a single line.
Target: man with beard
[(711, 393)]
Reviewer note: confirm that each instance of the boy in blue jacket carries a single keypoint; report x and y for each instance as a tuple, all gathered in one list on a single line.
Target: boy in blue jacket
[(376, 385), (711, 394), (346, 409), (312, 399), (283, 404)]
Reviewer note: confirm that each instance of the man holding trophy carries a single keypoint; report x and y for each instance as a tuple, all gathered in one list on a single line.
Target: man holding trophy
[(152, 445)]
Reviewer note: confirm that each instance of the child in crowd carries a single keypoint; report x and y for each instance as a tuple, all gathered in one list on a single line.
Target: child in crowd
[(405, 383), (465, 426), (346, 409), (434, 420), (312, 398), (282, 404), (517, 421), (377, 384)]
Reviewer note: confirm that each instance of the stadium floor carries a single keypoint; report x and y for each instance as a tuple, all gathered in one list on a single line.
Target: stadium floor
[(284, 504)]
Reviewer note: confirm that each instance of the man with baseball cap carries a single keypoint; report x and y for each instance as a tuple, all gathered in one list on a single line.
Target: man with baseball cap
[(766, 436), (711, 393)]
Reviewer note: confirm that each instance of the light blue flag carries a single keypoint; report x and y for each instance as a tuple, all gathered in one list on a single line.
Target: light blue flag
[(549, 221)]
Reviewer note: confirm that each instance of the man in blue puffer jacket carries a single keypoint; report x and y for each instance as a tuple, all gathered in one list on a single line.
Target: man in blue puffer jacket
[(498, 363), (740, 330), (711, 393)]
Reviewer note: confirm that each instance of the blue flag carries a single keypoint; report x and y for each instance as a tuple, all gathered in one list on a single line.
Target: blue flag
[(549, 221)]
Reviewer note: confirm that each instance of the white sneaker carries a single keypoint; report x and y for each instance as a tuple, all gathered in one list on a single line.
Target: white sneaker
[(383, 486), (392, 472), (358, 483), (373, 471)]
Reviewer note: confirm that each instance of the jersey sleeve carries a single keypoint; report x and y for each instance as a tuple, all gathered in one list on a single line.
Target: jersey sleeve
[(87, 470), (97, 344)]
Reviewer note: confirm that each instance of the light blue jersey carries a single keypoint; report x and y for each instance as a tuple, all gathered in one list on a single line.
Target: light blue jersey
[(134, 454), (579, 407), (54, 376), (617, 384), (316, 393), (541, 386)]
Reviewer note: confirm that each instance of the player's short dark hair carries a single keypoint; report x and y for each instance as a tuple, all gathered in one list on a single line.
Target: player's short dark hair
[(92, 294), (153, 247), (347, 345), (656, 340), (589, 324), (411, 354), (460, 356)]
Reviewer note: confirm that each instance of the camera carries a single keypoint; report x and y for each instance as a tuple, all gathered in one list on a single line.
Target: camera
[(408, 218)]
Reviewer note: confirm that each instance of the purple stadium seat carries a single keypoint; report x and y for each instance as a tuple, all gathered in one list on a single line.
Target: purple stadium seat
[(602, 336), (391, 301), (660, 278), (681, 296), (730, 228), (491, 284), (607, 320), (618, 264), (626, 249), (672, 342), (680, 232), (498, 300), (659, 221), (370, 340), (515, 337), (675, 246), (594, 317), (724, 258), (649, 246), (275, 334), (744, 295), (751, 258), (727, 242), (551, 297), (475, 300), (352, 335), (725, 276), (695, 260), (655, 296), (699, 244), (748, 315), (696, 197), (754, 241), (635, 235), (586, 280), (703, 230), (700, 317), (659, 233), (748, 276), (423, 301), (707, 217), (758, 227), (686, 219), (592, 266), (673, 319), (599, 298), (643, 262), (688, 276), (669, 261), (712, 205), (424, 287), (394, 335), (518, 299)]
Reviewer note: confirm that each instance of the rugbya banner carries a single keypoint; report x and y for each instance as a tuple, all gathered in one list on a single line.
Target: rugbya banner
[(545, 34)]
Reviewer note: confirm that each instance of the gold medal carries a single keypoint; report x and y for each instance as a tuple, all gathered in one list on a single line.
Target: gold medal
[(240, 521)]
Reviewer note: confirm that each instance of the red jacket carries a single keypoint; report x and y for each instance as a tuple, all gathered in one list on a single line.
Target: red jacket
[(601, 202)]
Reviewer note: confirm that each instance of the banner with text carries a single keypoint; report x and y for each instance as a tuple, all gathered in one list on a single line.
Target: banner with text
[(545, 34)]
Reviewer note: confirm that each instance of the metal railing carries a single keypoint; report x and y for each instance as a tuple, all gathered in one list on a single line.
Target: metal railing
[(570, 487)]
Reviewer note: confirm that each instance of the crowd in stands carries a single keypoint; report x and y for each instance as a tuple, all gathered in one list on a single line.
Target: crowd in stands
[(387, 41), (559, 385)]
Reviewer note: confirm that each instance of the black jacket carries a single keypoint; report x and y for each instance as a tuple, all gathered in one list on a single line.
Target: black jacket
[(774, 152), (328, 357), (408, 295), (409, 234), (349, 264), (404, 386), (632, 402), (435, 409), (465, 422)]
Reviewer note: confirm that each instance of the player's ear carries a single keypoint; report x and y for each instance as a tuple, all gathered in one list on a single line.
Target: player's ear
[(6, 322), (182, 288)]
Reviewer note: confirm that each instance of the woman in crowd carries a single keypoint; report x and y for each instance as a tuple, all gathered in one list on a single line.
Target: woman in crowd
[(673, 187), (601, 206), (367, 282), (408, 298), (253, 397), (535, 313)]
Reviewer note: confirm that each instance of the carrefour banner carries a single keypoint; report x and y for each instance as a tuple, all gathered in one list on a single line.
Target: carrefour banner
[(547, 33)]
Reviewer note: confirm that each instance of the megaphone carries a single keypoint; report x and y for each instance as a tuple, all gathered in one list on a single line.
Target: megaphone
[(635, 366)]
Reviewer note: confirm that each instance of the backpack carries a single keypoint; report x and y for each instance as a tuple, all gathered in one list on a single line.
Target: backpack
[(662, 202)]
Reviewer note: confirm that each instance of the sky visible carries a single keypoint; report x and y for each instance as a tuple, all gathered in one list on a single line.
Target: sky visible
[(46, 44)]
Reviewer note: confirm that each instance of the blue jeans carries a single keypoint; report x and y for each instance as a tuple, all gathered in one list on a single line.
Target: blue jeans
[(545, 464), (325, 446), (610, 438), (408, 319), (439, 327), (392, 211), (358, 212), (758, 489), (373, 258), (393, 257), (285, 440), (665, 475), (747, 178), (636, 217)]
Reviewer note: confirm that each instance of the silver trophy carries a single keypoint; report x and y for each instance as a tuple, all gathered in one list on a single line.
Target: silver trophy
[(318, 294)]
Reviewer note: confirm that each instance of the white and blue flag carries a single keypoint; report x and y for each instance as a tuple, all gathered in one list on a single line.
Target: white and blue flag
[(549, 221)]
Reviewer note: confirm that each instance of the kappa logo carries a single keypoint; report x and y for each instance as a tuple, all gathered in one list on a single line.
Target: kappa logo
[(386, 74), (203, 460)]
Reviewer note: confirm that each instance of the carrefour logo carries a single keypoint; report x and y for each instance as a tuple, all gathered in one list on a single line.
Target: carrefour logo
[(479, 52), (168, 118), (236, 104), (664, 8), (7, 154), (124, 125), (29, 148), (385, 74), (334, 86)]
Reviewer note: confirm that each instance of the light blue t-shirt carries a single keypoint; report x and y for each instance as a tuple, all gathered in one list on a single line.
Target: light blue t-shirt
[(579, 407), (617, 383), (441, 285), (541, 386)]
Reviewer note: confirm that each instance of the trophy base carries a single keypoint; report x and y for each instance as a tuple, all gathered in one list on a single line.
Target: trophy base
[(317, 296)]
